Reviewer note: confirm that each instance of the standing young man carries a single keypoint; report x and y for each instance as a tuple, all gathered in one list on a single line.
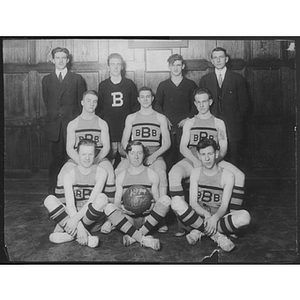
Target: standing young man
[(174, 100), (134, 226), (62, 92), (211, 188), (84, 201), (117, 99), (231, 101)]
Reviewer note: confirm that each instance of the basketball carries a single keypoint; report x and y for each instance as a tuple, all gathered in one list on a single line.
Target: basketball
[(137, 199)]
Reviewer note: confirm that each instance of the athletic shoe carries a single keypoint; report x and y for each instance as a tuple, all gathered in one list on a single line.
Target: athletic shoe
[(163, 229), (223, 241), (128, 240), (180, 233), (150, 242), (194, 236), (63, 237), (106, 227), (60, 237)]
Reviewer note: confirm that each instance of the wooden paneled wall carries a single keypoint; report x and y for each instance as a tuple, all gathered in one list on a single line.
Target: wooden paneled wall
[(266, 64)]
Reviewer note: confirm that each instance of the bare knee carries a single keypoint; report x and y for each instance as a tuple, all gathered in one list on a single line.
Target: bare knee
[(100, 202), (51, 202), (175, 177), (243, 218), (178, 205)]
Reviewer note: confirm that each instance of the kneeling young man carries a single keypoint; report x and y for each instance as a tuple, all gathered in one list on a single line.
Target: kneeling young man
[(211, 189), (84, 209), (134, 226)]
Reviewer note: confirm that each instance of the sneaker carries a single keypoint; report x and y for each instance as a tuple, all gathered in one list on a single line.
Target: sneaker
[(223, 241), (180, 232), (60, 237), (163, 229), (194, 236), (63, 237), (128, 240), (150, 242), (106, 227)]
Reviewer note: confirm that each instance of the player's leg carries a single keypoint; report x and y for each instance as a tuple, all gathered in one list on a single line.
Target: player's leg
[(238, 192), (179, 172), (58, 213), (189, 218), (160, 167), (120, 221), (157, 214)]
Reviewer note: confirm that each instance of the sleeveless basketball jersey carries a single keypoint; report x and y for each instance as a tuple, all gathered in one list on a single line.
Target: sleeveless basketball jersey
[(210, 191), (146, 129), (202, 129), (84, 184), (139, 179), (88, 129)]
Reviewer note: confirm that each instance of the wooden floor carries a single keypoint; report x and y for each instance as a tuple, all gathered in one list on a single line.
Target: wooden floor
[(271, 237)]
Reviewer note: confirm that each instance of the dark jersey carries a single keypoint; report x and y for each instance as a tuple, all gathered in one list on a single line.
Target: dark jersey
[(115, 102)]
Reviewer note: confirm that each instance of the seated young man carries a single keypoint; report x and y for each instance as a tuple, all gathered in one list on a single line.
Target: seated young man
[(211, 189), (134, 226), (204, 124), (84, 209)]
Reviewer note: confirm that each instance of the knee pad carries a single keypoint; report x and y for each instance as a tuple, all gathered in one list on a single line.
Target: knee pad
[(51, 202), (178, 205), (100, 202), (109, 208), (165, 200)]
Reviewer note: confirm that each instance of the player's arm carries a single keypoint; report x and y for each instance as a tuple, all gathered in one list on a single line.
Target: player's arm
[(227, 182), (194, 194), (185, 139), (105, 140), (71, 139), (166, 140), (119, 189), (222, 137), (127, 130)]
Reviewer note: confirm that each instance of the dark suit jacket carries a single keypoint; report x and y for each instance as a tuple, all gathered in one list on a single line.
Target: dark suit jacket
[(63, 102), (233, 104)]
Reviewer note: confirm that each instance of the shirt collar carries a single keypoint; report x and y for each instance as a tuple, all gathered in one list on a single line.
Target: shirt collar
[(63, 72), (222, 72)]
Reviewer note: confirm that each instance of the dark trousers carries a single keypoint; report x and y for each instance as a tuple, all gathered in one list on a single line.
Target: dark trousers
[(58, 158), (173, 155), (234, 153)]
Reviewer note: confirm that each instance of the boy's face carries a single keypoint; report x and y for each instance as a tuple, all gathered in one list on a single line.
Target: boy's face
[(176, 67), (86, 155), (89, 102), (115, 66), (202, 103), (208, 157), (136, 156), (219, 59), (145, 98), (60, 60)]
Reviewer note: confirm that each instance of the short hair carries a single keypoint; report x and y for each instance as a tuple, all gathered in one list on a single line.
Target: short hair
[(218, 49), (90, 92), (175, 57), (200, 91), (87, 142), (60, 49), (206, 142), (145, 88), (136, 143), (115, 55)]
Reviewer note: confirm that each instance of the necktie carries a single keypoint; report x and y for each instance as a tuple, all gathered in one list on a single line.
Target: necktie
[(220, 81), (60, 78)]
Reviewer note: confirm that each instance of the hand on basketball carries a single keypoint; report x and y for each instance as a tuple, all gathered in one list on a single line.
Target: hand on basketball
[(71, 226), (147, 212), (210, 226), (127, 212)]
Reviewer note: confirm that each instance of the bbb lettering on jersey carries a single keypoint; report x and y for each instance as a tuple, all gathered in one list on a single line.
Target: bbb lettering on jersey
[(117, 100), (208, 196), (146, 132), (89, 136), (201, 135), (82, 194)]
